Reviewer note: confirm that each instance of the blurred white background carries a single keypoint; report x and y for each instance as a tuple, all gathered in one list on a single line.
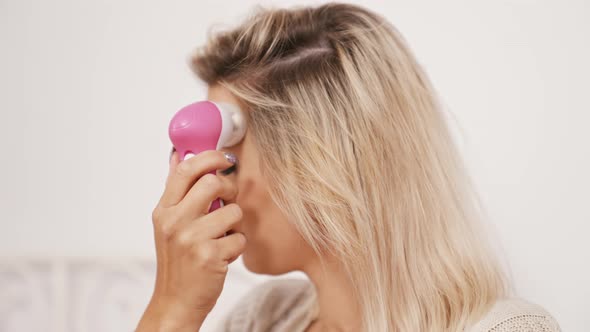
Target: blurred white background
[(87, 89)]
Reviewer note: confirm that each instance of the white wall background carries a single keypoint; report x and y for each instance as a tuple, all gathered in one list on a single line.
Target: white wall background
[(87, 89)]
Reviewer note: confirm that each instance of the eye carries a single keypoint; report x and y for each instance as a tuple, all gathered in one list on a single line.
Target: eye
[(229, 170)]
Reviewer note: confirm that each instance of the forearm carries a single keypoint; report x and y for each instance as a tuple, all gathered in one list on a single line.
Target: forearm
[(163, 318)]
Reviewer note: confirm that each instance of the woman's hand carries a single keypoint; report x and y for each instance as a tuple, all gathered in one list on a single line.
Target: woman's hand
[(192, 252)]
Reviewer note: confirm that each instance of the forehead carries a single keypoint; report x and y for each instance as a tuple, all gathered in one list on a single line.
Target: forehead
[(219, 93)]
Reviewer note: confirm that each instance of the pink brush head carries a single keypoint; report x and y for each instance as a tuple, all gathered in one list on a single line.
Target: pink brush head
[(206, 125)]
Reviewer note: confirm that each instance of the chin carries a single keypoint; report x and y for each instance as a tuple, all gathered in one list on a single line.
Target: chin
[(263, 264)]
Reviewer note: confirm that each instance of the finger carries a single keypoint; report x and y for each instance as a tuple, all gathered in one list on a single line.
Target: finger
[(214, 224), (231, 246), (183, 174), (199, 198), (172, 163)]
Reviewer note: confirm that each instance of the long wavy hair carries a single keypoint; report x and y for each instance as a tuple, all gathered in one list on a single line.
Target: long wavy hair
[(360, 156)]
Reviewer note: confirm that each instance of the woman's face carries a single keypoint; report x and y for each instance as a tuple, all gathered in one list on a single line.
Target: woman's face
[(273, 244)]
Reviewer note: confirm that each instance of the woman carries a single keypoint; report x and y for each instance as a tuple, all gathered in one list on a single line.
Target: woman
[(348, 173)]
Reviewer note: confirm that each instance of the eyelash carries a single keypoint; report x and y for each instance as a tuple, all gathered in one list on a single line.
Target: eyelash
[(229, 170)]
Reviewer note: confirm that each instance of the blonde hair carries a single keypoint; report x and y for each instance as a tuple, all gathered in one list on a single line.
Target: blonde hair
[(356, 146)]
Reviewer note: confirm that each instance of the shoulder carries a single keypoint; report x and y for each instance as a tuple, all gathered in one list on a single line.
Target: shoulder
[(275, 304), (516, 314)]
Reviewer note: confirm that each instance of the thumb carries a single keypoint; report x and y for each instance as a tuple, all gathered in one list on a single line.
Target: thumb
[(173, 161)]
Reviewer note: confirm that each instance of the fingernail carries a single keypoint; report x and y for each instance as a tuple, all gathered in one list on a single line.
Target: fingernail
[(231, 157)]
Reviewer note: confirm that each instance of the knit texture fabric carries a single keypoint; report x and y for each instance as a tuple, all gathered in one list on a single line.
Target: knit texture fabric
[(290, 305)]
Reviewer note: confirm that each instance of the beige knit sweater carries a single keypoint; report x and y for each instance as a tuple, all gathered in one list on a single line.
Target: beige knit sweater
[(289, 305)]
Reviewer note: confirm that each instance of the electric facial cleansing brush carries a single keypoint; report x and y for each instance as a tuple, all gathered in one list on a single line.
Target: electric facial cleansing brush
[(206, 125)]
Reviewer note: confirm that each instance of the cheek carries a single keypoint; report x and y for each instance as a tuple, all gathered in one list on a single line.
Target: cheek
[(274, 245)]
